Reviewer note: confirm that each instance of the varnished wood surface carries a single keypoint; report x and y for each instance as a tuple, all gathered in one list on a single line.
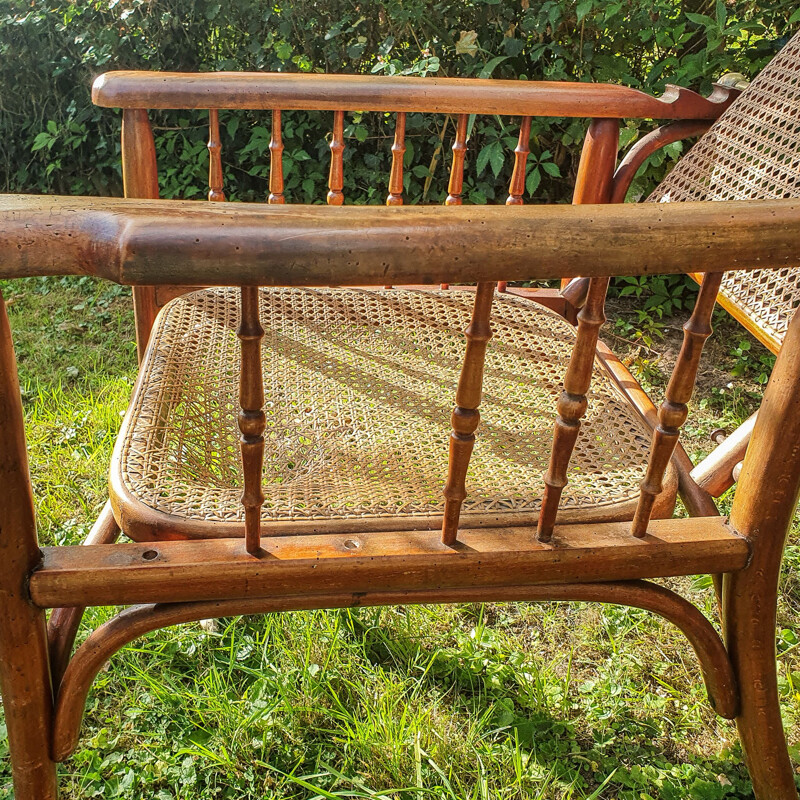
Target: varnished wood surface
[(134, 622), (763, 509), (675, 409), (276, 196), (24, 662), (252, 419), (62, 626), (222, 568), (143, 242), (140, 180), (646, 146), (743, 316), (466, 417), (592, 185), (715, 473), (253, 90)]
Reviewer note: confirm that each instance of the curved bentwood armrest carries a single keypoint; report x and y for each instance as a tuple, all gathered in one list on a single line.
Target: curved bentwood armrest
[(293, 91), (154, 242)]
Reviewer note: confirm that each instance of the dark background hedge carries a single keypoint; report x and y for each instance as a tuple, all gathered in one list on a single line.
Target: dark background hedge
[(54, 140)]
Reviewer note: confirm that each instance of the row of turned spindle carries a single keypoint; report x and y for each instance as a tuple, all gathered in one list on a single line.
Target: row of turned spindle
[(573, 401)]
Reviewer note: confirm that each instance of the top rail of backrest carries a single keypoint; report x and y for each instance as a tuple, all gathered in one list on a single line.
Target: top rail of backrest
[(301, 91)]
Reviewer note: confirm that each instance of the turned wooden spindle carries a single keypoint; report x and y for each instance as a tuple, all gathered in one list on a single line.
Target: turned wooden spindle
[(395, 196), (252, 419), (276, 161), (675, 409), (336, 177), (593, 184), (516, 187), (214, 157), (466, 416), (455, 186), (572, 404)]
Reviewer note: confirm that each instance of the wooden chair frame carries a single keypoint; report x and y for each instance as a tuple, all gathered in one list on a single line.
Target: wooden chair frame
[(164, 248), (152, 243)]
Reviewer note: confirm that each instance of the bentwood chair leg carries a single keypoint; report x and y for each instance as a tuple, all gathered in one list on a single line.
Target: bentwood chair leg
[(27, 699), (24, 663), (749, 606), (762, 511)]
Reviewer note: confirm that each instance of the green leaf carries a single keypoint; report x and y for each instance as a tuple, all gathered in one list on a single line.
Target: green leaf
[(701, 19), (483, 159), (551, 168), (42, 139), (532, 181), (496, 157), (490, 66), (583, 8)]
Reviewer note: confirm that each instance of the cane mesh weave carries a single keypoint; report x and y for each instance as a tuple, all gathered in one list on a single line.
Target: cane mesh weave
[(752, 152), (359, 388)]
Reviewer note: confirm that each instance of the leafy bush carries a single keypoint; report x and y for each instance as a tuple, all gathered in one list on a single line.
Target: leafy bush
[(56, 141)]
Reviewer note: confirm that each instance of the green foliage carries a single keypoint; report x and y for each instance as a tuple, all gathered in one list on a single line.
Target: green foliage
[(752, 361), (56, 141)]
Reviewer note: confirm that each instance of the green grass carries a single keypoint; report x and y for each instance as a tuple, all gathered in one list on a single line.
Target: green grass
[(493, 701)]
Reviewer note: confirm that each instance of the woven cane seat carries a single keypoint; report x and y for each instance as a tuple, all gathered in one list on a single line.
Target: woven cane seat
[(752, 152), (359, 388)]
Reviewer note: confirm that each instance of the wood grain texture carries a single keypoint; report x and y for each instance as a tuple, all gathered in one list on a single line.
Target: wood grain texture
[(215, 184), (762, 512), (744, 317), (383, 93), (715, 473), (252, 419), (395, 196), (455, 186), (62, 626), (24, 660), (140, 180), (222, 568), (188, 243), (276, 196), (593, 185), (336, 174), (136, 621), (645, 147), (516, 186), (466, 417), (675, 409)]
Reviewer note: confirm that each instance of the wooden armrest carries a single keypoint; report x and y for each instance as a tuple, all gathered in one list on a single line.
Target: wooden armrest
[(259, 90), (154, 242)]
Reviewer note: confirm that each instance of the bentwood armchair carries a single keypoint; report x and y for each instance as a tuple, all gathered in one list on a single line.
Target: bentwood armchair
[(290, 443)]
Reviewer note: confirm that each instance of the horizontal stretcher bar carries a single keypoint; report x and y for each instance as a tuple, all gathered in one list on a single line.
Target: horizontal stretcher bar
[(173, 571), (157, 242)]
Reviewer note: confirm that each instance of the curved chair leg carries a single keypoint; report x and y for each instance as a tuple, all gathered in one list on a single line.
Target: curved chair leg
[(24, 663), (749, 607), (762, 512)]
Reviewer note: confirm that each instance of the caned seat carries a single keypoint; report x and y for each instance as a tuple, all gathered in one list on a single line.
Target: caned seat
[(359, 386)]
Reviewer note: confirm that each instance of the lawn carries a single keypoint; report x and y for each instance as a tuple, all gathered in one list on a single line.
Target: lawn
[(519, 700)]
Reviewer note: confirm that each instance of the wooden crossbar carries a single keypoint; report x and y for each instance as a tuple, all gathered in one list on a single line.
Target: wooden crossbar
[(171, 571)]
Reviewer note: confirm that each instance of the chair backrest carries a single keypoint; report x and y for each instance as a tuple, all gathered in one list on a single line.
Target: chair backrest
[(752, 152), (455, 102)]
